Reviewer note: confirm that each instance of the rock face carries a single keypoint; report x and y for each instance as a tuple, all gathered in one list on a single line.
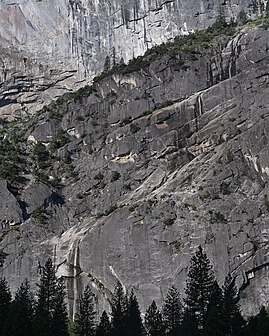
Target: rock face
[(48, 47), (141, 169)]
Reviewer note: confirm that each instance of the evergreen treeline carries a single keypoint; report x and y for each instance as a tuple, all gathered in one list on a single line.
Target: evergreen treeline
[(205, 310)]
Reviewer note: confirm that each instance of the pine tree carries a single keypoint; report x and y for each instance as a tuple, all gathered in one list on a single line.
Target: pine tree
[(199, 288), (232, 319), (213, 323), (173, 312), (85, 319), (153, 321), (45, 296), (242, 17), (262, 322), (118, 312), (258, 325), (50, 316), (59, 320), (104, 327), (220, 22), (189, 325), (134, 322), (5, 301), (251, 327), (20, 317)]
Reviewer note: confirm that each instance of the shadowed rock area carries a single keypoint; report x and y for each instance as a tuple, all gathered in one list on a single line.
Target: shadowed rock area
[(123, 180)]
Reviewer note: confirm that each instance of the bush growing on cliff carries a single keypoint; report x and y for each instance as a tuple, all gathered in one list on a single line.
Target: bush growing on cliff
[(134, 128), (9, 160), (83, 92), (242, 17), (59, 141), (41, 155), (115, 176), (39, 215), (54, 114)]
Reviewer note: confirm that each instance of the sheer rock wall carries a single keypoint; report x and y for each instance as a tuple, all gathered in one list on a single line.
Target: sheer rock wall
[(154, 163), (48, 47)]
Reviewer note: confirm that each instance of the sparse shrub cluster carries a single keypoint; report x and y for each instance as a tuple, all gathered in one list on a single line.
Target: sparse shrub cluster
[(217, 217), (59, 141), (39, 214), (55, 114), (134, 128), (164, 104), (9, 160), (169, 221), (107, 212), (41, 155), (99, 176), (225, 188), (115, 176)]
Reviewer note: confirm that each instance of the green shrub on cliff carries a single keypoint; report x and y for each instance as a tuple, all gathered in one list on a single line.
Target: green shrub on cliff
[(41, 155), (9, 160)]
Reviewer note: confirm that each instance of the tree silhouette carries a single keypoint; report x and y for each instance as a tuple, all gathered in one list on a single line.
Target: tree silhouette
[(50, 316), (134, 321), (104, 327), (118, 312), (153, 321), (59, 321), (172, 312), (189, 325), (214, 319), (199, 288), (232, 319), (20, 317), (258, 325), (5, 302), (85, 319)]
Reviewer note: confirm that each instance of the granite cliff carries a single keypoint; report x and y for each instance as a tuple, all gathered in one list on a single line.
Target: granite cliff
[(51, 47), (121, 181)]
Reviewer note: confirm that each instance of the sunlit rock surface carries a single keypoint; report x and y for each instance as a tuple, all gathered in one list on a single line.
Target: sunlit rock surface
[(48, 47)]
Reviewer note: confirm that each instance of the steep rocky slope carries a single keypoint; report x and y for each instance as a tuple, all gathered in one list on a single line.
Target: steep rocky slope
[(123, 180), (47, 47)]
